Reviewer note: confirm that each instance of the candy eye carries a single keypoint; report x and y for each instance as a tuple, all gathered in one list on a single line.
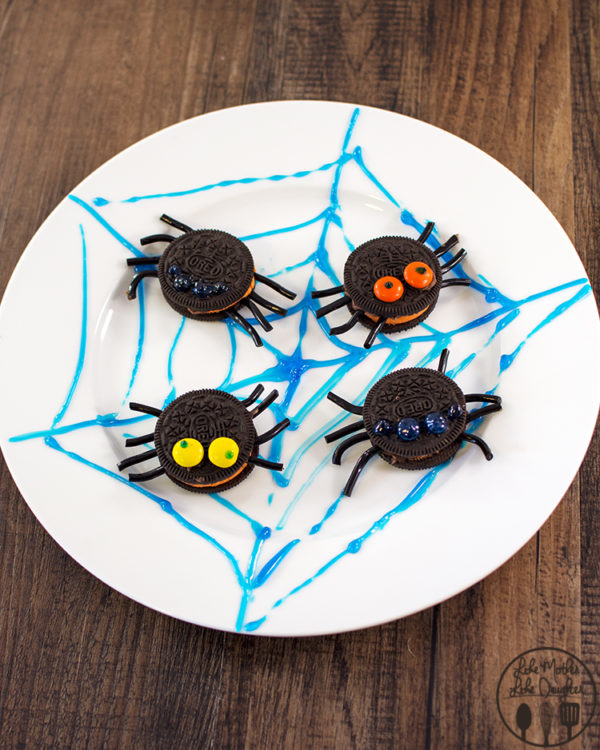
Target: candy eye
[(383, 427), (182, 282), (418, 275), (388, 289), (223, 452), (188, 452), (408, 429), (436, 423)]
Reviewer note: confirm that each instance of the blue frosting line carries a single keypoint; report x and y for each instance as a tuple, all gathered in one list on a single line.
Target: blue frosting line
[(165, 505), (356, 544), (110, 229), (140, 342), (83, 335), (247, 585), (102, 420), (172, 390), (506, 360), (229, 183), (284, 230), (291, 368), (271, 565)]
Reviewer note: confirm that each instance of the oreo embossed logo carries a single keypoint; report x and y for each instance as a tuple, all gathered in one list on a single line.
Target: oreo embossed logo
[(546, 697)]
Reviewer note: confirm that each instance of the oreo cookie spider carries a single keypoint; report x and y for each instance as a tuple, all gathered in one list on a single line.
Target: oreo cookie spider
[(392, 283), (207, 274), (415, 418), (205, 441)]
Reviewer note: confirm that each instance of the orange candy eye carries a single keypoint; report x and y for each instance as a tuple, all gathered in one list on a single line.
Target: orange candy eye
[(388, 289), (418, 275)]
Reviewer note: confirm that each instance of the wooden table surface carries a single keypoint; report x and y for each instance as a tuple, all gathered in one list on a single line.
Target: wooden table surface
[(83, 666)]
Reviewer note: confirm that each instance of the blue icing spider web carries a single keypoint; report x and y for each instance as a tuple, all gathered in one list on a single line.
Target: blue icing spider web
[(289, 370)]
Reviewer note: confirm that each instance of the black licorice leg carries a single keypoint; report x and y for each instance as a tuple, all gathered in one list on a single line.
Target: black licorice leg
[(258, 461), (327, 292), (132, 291), (476, 413), (460, 256), (333, 306), (137, 459), (135, 406), (443, 360), (426, 231), (145, 476), (455, 282), (350, 323), (486, 398), (253, 396), (269, 305), (274, 285), (448, 245), (175, 223), (264, 404), (494, 404), (343, 431), (260, 318), (270, 434), (156, 238), (347, 443), (476, 440), (373, 333), (358, 467), (146, 261), (345, 404), (141, 440), (243, 323)]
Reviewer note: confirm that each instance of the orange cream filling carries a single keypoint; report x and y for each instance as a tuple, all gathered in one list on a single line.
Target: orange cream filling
[(210, 312), (397, 321), (216, 484)]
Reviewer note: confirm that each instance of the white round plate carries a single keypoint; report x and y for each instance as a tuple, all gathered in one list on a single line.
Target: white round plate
[(286, 554)]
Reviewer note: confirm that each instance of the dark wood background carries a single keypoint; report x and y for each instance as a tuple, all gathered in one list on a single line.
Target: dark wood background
[(82, 666)]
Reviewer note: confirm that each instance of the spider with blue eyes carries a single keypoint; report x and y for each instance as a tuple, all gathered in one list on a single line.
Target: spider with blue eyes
[(207, 274), (392, 283), (205, 440), (415, 418)]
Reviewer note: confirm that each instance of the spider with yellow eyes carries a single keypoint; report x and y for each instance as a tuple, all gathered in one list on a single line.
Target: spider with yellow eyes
[(392, 283), (205, 440)]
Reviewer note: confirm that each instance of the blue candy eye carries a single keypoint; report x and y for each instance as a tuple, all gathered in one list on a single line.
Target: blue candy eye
[(408, 429), (454, 411), (202, 289), (174, 270), (383, 427), (182, 282), (436, 423)]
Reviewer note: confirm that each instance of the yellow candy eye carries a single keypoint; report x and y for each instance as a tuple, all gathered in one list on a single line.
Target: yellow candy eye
[(223, 452), (188, 452)]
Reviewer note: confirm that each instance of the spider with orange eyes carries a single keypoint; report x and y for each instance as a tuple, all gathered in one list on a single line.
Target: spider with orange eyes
[(392, 283), (205, 440)]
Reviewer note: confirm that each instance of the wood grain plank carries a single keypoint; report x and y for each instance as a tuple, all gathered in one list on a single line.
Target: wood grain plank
[(534, 599), (373, 53), (81, 665), (585, 79), (346, 691)]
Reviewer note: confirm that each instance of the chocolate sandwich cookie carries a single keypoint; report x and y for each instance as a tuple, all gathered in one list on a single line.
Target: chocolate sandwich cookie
[(207, 274), (414, 418), (392, 283), (205, 440)]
